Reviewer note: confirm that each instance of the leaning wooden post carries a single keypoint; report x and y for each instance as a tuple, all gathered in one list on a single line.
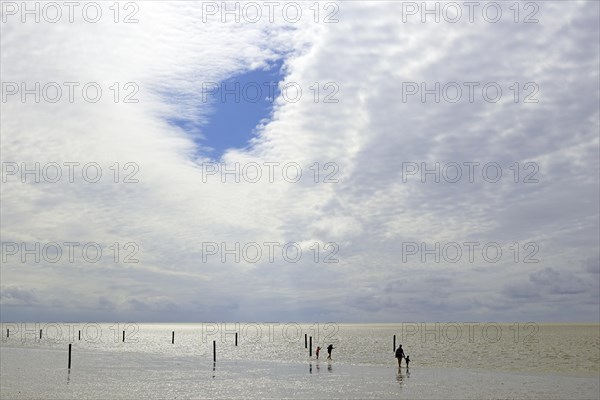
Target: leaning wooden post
[(7, 333), (236, 338), (394, 343), (310, 347), (40, 333), (69, 355), (173, 337), (305, 341), (214, 351), (123, 336)]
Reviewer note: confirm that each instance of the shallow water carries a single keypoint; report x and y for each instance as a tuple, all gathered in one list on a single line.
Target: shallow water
[(558, 361)]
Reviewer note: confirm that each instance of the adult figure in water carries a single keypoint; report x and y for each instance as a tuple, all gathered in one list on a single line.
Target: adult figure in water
[(329, 348), (399, 355)]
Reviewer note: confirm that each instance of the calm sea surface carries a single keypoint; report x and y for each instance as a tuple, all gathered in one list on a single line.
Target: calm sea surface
[(275, 354)]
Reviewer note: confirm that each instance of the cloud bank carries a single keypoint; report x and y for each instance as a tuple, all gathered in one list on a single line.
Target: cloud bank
[(379, 215)]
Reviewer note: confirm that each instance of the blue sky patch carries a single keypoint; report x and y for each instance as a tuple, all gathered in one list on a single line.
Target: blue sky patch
[(237, 105)]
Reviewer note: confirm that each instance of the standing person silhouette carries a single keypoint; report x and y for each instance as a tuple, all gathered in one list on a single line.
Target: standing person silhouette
[(329, 348), (400, 355), (317, 352)]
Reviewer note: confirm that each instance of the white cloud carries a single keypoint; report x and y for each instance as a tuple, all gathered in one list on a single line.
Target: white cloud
[(369, 134)]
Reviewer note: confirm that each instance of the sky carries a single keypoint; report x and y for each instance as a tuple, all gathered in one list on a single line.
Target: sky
[(392, 168), (235, 107)]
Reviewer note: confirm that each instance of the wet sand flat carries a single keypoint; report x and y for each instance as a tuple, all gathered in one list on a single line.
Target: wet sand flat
[(41, 373)]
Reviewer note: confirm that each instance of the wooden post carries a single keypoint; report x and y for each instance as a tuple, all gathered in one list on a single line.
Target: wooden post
[(40, 333), (310, 348), (123, 336), (305, 341), (394, 342), (69, 355), (214, 351), (79, 335), (236, 338), (173, 337)]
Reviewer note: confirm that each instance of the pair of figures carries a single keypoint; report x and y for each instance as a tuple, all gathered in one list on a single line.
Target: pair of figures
[(400, 355), (329, 348)]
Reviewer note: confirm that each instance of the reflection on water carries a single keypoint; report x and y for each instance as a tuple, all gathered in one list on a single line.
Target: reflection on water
[(214, 368), (318, 366), (402, 378), (329, 367)]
